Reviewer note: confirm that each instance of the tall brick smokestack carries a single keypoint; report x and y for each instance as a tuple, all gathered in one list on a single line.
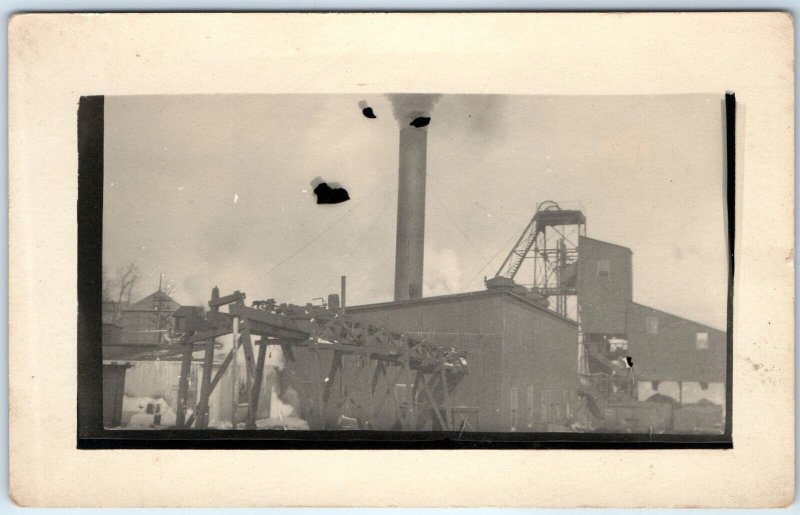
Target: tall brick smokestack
[(412, 113)]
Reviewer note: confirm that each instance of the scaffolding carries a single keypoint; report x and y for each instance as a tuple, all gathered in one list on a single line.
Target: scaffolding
[(550, 244), (317, 329)]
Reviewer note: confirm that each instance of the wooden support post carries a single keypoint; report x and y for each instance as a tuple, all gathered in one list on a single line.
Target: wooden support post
[(336, 364), (343, 308), (288, 353), (316, 385), (214, 298), (183, 387), (380, 369), (375, 398), (434, 406), (201, 412), (367, 368), (373, 382), (385, 393), (448, 409), (255, 393), (215, 381), (410, 420), (235, 373), (249, 356)]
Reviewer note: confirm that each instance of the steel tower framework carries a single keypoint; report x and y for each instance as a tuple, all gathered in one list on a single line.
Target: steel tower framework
[(549, 247)]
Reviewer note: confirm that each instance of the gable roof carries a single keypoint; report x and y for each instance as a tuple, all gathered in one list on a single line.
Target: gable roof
[(498, 292), (157, 300), (606, 243)]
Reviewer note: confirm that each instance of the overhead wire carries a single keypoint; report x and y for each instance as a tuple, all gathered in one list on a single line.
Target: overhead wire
[(324, 231), (461, 193), (501, 249), (455, 224), (363, 235)]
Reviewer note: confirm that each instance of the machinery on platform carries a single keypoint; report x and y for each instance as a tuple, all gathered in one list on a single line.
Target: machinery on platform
[(550, 244)]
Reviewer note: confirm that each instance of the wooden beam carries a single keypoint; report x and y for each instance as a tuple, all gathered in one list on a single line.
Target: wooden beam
[(410, 420), (316, 386), (249, 355), (268, 323), (383, 352), (221, 371), (255, 394), (336, 364), (447, 407), (183, 387), (288, 353), (235, 373), (236, 296), (376, 400), (432, 401), (215, 381), (380, 368), (214, 298), (201, 410), (385, 393)]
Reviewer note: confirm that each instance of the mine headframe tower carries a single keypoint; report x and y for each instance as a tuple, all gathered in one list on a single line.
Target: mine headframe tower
[(548, 250)]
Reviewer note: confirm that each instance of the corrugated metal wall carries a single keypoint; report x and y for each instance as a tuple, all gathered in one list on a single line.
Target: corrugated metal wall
[(510, 344), (540, 360), (160, 379), (472, 324), (664, 347)]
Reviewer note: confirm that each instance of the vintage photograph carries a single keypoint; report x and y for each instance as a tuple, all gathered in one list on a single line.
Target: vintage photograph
[(414, 263)]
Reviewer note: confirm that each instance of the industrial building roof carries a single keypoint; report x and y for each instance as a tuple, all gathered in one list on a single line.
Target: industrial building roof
[(157, 300), (607, 243), (465, 295), (666, 313)]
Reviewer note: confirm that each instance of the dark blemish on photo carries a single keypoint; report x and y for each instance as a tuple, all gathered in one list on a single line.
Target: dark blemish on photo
[(366, 110), (629, 361), (329, 194), (420, 121)]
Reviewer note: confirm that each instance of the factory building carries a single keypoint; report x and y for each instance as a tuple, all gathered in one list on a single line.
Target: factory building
[(571, 351), (676, 357), (522, 357), (672, 359)]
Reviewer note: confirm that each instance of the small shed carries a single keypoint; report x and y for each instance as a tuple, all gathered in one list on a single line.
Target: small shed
[(113, 392)]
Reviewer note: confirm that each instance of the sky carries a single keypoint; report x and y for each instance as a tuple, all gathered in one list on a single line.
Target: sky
[(215, 190)]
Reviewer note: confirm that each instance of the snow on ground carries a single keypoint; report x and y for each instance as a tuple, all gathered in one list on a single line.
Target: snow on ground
[(146, 413)]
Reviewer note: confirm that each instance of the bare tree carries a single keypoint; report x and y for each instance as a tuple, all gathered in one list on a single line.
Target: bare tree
[(128, 280), (120, 286), (108, 286)]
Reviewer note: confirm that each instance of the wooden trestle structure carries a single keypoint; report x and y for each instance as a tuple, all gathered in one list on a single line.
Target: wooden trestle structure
[(325, 336)]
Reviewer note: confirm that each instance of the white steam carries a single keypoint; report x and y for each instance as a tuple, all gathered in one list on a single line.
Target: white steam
[(407, 106)]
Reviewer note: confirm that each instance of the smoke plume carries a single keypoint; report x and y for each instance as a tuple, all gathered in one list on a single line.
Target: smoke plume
[(407, 106)]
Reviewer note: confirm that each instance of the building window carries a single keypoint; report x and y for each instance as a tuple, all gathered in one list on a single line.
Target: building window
[(701, 340), (652, 325), (514, 404), (603, 268)]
